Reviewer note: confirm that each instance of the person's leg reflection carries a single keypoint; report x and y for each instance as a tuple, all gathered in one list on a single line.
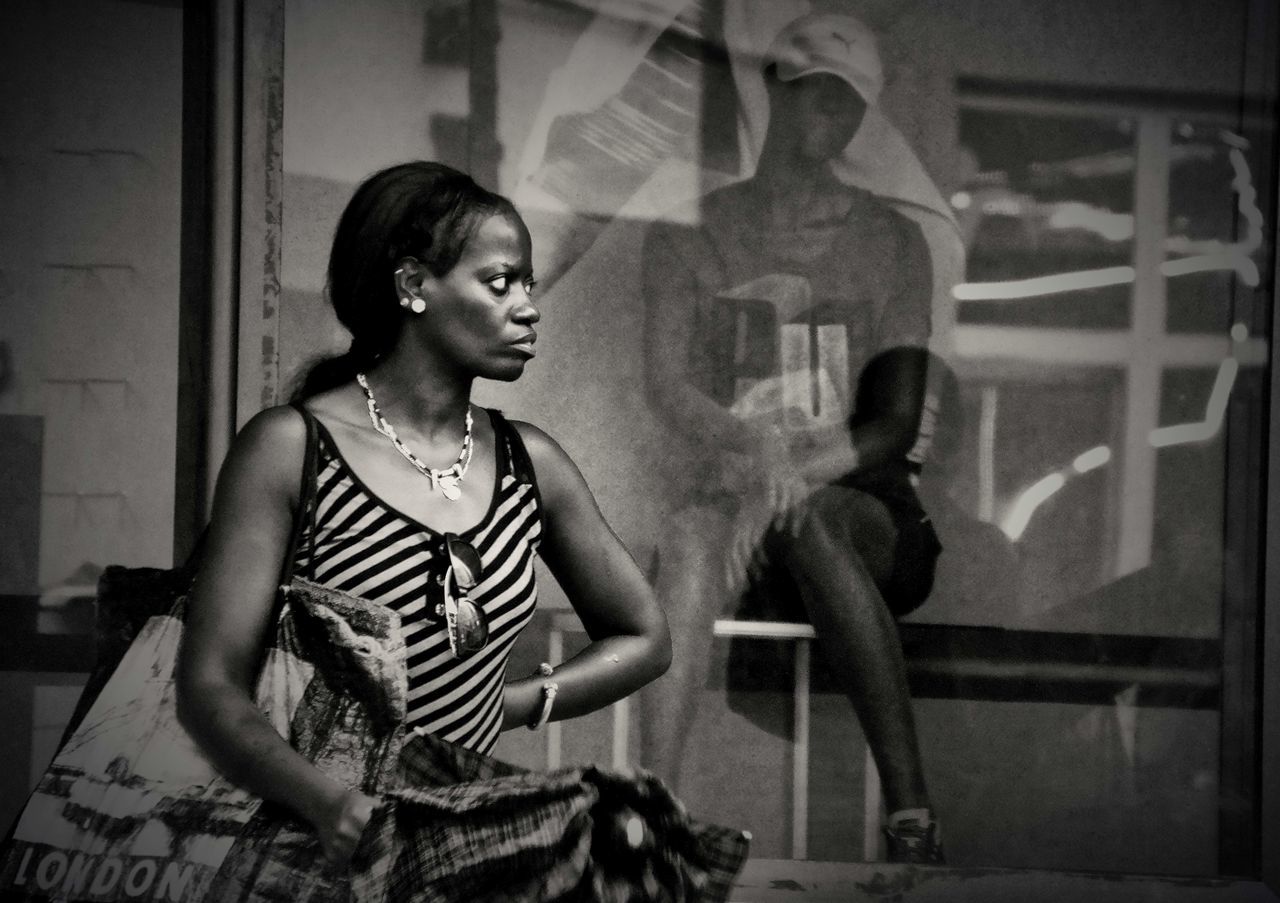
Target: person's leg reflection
[(841, 545), (691, 586)]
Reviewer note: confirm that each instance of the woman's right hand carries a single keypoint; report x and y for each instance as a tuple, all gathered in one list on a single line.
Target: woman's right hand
[(341, 824)]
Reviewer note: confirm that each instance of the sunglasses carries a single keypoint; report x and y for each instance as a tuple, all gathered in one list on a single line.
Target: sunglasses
[(467, 624)]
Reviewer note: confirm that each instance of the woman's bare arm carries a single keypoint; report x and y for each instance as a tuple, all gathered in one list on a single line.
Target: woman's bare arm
[(630, 645), (227, 624)]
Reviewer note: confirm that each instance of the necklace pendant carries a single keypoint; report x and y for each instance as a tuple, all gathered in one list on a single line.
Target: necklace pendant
[(449, 488), (445, 480)]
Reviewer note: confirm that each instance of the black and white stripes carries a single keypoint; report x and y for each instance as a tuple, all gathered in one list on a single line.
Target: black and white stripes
[(365, 547)]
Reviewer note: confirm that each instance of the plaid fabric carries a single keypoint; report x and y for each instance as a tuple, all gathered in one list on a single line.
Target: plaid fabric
[(455, 825), (465, 827)]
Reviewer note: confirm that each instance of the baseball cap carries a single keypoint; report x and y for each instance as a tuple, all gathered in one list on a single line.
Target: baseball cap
[(837, 44)]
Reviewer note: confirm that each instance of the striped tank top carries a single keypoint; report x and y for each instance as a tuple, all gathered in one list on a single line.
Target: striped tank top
[(364, 546)]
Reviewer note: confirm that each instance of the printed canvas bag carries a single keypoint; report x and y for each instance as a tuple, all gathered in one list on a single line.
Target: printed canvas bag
[(130, 808)]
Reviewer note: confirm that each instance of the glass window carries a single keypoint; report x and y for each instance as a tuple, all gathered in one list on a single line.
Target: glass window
[(1094, 404), (1102, 446), (1049, 220)]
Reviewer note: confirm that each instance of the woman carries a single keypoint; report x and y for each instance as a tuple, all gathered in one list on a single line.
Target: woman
[(433, 277)]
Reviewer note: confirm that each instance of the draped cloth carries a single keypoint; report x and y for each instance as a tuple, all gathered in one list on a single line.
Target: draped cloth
[(455, 825), (606, 57), (131, 807), (588, 236)]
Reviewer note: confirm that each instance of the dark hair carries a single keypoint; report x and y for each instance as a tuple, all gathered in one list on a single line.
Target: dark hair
[(420, 209)]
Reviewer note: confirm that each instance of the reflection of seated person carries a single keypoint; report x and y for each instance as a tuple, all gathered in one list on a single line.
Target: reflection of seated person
[(977, 577), (757, 321)]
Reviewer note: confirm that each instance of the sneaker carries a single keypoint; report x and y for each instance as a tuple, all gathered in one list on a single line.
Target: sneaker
[(915, 840)]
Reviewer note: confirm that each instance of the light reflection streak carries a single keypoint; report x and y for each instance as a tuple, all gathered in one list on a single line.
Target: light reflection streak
[(1081, 280), (1196, 256), (1092, 459), (1214, 256), (1020, 512), (1032, 498), (1215, 412)]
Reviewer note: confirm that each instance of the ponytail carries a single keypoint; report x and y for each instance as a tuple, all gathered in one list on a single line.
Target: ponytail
[(324, 374), (334, 370)]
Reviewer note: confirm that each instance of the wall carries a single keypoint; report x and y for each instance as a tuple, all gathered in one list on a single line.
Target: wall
[(91, 152), (90, 155)]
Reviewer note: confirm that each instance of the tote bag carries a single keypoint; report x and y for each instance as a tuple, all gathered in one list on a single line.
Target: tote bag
[(130, 808)]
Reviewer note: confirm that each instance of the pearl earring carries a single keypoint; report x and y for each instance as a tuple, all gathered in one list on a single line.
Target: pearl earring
[(413, 302)]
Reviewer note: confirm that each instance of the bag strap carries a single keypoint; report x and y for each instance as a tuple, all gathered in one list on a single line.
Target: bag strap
[(511, 450), (189, 567), (304, 516), (517, 455)]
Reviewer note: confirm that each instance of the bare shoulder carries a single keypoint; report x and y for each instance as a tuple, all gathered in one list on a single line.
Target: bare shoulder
[(556, 472), (268, 451), (541, 447), (338, 405), (276, 429)]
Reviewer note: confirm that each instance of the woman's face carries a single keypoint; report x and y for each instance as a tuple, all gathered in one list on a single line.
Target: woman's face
[(480, 314)]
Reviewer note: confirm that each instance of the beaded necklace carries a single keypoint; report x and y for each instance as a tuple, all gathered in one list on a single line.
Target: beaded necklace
[(445, 480)]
